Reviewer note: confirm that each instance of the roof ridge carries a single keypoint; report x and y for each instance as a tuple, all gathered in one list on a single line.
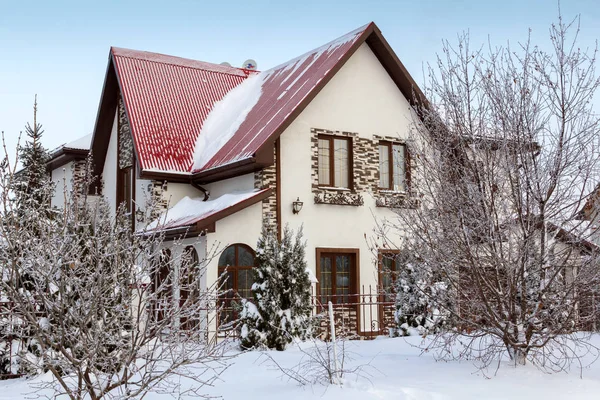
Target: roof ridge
[(339, 39), (160, 58)]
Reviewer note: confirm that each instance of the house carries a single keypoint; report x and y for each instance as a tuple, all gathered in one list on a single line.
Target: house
[(319, 141), (591, 212)]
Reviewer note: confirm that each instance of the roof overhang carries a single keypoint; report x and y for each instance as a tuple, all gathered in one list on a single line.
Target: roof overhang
[(65, 155), (105, 117), (207, 224)]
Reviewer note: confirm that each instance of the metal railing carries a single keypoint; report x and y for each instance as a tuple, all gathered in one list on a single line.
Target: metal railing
[(363, 315)]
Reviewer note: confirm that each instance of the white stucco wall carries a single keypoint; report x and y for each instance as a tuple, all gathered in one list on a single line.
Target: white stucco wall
[(239, 183), (360, 98), (62, 178), (176, 191), (109, 173)]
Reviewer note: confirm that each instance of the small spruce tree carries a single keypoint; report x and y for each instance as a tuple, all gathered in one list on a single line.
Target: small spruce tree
[(281, 308), (32, 186)]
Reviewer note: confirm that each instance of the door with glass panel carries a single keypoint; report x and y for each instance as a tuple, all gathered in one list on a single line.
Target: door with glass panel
[(338, 278)]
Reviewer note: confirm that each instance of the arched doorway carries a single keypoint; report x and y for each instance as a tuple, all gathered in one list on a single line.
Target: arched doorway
[(161, 284), (189, 288), (235, 268)]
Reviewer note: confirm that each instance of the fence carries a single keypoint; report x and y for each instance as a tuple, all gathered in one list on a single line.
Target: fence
[(364, 315), (11, 344)]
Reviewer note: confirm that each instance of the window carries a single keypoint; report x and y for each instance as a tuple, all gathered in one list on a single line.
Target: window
[(335, 155), (235, 266), (393, 166), (125, 189), (189, 288), (390, 264), (161, 285), (337, 274)]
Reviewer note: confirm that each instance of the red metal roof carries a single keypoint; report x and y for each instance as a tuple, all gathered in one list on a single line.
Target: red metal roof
[(167, 99), (284, 88)]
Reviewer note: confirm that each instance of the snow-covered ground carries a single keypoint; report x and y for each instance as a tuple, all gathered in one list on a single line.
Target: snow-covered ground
[(397, 371)]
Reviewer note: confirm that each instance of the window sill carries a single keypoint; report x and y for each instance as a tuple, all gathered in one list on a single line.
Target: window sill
[(391, 199), (391, 191), (339, 197), (339, 189)]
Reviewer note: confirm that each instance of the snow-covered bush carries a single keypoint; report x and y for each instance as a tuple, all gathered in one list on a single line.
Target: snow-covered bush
[(422, 302), (281, 308)]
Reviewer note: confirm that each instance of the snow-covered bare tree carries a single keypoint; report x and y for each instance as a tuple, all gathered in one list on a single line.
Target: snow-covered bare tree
[(506, 152), (104, 304), (31, 189)]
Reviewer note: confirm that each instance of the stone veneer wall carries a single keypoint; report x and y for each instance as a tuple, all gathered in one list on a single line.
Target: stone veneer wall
[(125, 140), (157, 200), (79, 177), (365, 173), (267, 178)]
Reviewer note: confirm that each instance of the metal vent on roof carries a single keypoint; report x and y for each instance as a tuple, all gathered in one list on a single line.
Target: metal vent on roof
[(249, 64), (226, 64)]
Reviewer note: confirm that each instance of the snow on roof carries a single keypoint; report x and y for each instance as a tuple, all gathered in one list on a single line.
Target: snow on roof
[(282, 90), (189, 211), (167, 100), (83, 143), (225, 118)]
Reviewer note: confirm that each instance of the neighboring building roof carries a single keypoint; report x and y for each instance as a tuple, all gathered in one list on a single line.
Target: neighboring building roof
[(591, 209), (83, 143), (75, 150), (176, 105), (192, 215), (576, 233)]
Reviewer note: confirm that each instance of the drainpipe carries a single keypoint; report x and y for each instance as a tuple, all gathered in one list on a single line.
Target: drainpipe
[(200, 188)]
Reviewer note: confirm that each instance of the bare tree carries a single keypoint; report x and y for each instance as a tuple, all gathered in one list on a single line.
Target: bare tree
[(505, 154), (104, 309)]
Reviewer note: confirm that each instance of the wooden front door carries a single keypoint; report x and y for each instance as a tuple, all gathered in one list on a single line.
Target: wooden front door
[(338, 275)]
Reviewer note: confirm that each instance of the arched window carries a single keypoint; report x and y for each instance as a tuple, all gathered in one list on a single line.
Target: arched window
[(235, 266), (189, 272), (161, 283), (189, 289)]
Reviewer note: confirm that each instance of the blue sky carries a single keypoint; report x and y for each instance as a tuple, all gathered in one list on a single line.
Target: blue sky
[(59, 49)]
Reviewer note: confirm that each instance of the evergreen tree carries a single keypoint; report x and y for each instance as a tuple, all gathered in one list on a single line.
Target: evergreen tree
[(281, 308), (30, 214), (32, 186)]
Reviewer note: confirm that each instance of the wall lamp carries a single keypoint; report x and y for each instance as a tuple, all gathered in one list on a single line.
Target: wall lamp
[(140, 215), (297, 206)]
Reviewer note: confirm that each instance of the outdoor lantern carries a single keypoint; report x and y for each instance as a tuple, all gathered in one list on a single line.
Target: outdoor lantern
[(139, 215), (297, 206)]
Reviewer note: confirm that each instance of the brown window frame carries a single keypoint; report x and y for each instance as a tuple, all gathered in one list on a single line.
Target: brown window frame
[(390, 146), (228, 296), (355, 253), (189, 270), (331, 139), (161, 278), (385, 253), (125, 185)]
